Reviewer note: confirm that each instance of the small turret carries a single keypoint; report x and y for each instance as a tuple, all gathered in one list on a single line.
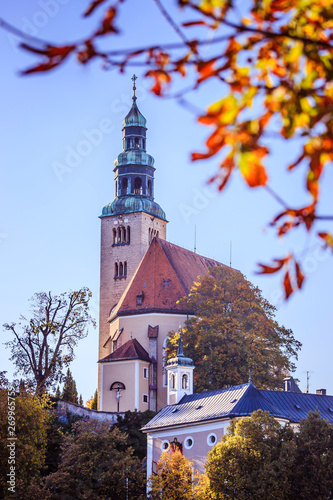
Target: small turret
[(180, 375)]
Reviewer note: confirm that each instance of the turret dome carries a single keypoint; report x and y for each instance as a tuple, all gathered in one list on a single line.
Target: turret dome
[(134, 118), (131, 204)]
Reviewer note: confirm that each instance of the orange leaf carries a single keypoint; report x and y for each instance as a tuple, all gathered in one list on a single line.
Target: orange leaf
[(161, 78), (251, 167), (107, 24), (206, 69), (328, 238)]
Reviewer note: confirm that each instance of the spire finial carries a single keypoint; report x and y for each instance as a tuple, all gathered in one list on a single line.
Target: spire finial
[(134, 77), (180, 343)]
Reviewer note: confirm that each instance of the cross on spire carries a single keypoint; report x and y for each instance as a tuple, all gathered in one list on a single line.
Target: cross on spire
[(134, 77)]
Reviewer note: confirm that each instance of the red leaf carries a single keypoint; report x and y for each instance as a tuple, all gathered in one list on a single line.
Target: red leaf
[(299, 275), (279, 263), (195, 23), (287, 285), (41, 67), (92, 7)]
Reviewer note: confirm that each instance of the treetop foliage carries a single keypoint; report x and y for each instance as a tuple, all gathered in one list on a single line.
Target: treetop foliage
[(234, 334), (273, 61), (175, 480)]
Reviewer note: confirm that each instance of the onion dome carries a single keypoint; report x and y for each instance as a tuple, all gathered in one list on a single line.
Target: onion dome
[(131, 204), (134, 118)]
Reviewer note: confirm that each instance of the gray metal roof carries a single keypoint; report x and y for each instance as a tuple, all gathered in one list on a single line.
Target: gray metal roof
[(241, 401)]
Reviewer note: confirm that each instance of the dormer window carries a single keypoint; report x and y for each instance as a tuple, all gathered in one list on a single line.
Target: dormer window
[(139, 299)]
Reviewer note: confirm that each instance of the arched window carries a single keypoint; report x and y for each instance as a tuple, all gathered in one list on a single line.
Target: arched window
[(114, 232), (125, 268), (128, 234), (144, 143), (121, 269), (173, 381), (137, 142), (150, 191), (116, 188), (149, 235), (116, 270), (119, 235), (137, 185), (124, 234), (185, 381), (124, 185)]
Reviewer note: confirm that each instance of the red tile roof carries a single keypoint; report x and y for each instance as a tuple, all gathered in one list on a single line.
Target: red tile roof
[(130, 350), (165, 275)]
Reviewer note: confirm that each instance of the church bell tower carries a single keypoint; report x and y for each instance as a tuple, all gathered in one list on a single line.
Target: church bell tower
[(131, 220)]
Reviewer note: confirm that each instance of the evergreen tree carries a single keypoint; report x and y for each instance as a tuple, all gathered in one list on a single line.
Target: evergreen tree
[(69, 392), (131, 423), (58, 393), (80, 400), (22, 387), (94, 403)]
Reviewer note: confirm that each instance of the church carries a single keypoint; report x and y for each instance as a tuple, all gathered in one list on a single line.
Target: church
[(142, 278)]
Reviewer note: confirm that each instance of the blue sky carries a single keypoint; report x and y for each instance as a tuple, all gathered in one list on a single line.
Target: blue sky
[(49, 226)]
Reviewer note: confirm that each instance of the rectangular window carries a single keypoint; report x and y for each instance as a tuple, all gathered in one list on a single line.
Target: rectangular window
[(145, 398), (145, 373)]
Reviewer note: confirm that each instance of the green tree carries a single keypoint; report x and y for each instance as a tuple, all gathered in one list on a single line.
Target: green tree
[(31, 424), (81, 400), (313, 475), (174, 479), (69, 391), (260, 460), (131, 423), (96, 462), (234, 333), (58, 393), (253, 460), (44, 345)]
